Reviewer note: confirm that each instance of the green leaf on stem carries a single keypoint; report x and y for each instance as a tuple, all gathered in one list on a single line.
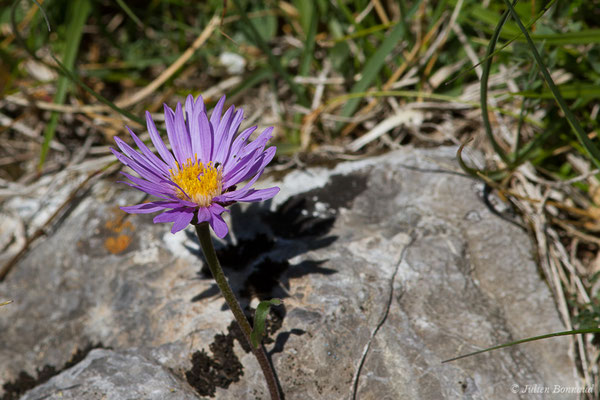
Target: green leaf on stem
[(259, 320)]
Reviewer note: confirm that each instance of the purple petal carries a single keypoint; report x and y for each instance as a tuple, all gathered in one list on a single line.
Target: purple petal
[(248, 196), (199, 103), (182, 221), (237, 145), (238, 169), (183, 135), (259, 142), (206, 138), (157, 162), (165, 189), (203, 215), (222, 153), (218, 225), (194, 126), (141, 170), (175, 137), (252, 164), (254, 195), (216, 113), (159, 187), (217, 208), (159, 145), (176, 186), (142, 166), (189, 110), (147, 208), (221, 132), (243, 137), (180, 217), (150, 192), (256, 169)]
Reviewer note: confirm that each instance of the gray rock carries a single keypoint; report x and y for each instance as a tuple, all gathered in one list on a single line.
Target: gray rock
[(106, 374), (386, 266)]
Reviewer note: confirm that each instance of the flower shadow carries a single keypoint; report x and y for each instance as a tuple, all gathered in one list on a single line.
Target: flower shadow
[(256, 256)]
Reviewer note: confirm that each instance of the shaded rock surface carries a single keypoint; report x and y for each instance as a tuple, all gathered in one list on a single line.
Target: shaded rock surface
[(106, 374), (386, 266)]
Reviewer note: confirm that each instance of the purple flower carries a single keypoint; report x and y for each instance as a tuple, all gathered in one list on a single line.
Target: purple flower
[(198, 178)]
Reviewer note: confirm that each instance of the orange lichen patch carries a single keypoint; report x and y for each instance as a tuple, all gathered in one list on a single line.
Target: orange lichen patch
[(119, 221), (119, 226), (117, 244)]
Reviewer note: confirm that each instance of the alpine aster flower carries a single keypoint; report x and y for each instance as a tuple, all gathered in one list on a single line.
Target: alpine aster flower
[(198, 179)]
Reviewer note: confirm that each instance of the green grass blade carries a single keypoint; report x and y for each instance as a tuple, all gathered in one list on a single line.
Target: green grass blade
[(306, 12), (524, 153), (309, 45), (78, 12), (348, 14), (580, 90), (588, 36), (273, 61), (130, 13), (373, 66), (531, 339), (520, 124), (590, 148), (517, 151), (487, 65), (486, 175), (471, 171), (70, 75), (252, 80), (424, 95), (490, 18), (363, 32), (505, 45)]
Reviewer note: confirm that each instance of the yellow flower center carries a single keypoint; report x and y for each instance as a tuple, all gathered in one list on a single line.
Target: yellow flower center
[(202, 182)]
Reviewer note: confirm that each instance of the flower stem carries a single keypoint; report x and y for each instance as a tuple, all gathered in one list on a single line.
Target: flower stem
[(203, 232)]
